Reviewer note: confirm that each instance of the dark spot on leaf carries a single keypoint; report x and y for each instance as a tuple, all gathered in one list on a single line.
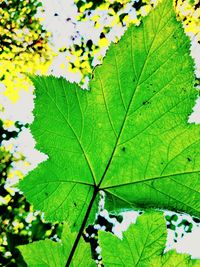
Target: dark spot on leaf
[(75, 204), (189, 159), (46, 194), (145, 102), (123, 148)]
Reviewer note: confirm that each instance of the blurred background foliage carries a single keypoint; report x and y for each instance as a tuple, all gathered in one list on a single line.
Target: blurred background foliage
[(23, 45), (26, 47)]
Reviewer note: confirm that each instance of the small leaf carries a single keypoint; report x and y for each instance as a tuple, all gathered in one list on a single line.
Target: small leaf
[(143, 245), (48, 253)]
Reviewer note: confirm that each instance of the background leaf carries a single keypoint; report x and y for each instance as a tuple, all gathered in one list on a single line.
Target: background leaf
[(48, 253), (142, 245)]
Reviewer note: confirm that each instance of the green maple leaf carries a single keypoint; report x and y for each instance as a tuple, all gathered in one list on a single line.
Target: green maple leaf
[(128, 136), (143, 245)]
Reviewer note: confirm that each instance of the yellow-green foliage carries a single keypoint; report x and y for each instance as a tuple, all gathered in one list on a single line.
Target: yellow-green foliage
[(23, 47)]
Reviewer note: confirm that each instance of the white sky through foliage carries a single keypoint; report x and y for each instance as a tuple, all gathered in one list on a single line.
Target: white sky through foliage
[(63, 27)]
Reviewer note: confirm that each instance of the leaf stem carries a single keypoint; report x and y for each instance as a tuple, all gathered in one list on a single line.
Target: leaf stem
[(96, 189)]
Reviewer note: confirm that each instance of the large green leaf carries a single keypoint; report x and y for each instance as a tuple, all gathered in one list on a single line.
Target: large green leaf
[(142, 245), (47, 253), (128, 136)]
